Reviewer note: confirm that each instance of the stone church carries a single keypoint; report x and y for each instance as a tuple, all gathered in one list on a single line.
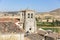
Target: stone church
[(24, 19)]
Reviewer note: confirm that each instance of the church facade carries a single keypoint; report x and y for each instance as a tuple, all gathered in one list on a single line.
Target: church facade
[(16, 24), (25, 19)]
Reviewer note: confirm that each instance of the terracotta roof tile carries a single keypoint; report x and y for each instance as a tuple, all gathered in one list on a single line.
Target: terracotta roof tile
[(34, 37), (9, 27)]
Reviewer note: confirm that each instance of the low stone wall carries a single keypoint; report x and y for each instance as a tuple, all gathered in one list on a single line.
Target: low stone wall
[(11, 36)]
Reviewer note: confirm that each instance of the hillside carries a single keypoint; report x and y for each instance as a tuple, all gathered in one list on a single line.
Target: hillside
[(55, 12)]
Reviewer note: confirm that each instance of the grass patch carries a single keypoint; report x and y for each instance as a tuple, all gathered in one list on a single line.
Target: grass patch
[(53, 29), (45, 24)]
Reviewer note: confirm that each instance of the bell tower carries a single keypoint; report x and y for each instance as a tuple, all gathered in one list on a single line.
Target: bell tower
[(29, 21)]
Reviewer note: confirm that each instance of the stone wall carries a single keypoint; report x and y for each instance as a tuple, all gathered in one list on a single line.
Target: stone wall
[(11, 36)]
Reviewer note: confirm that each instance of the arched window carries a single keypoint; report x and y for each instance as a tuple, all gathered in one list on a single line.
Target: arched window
[(32, 15), (28, 15)]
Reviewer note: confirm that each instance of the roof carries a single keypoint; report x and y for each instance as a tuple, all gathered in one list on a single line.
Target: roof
[(45, 33), (53, 35), (59, 35), (9, 27), (27, 10), (41, 32), (34, 37)]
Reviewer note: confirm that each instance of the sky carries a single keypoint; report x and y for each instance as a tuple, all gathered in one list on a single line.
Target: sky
[(38, 5)]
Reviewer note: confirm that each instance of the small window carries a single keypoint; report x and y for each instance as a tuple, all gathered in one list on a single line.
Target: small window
[(27, 32), (28, 15), (18, 19), (29, 28), (31, 15)]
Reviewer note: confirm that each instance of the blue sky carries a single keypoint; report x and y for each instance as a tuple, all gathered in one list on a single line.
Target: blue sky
[(38, 5)]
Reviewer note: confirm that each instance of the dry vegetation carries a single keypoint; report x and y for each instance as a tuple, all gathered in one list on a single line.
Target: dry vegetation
[(12, 37)]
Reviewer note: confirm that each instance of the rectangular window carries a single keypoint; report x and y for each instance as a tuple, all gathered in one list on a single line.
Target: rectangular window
[(28, 15), (31, 15)]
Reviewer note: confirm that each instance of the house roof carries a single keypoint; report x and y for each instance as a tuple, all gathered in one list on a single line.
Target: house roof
[(41, 32), (53, 35), (34, 37), (59, 35), (9, 27), (45, 33)]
